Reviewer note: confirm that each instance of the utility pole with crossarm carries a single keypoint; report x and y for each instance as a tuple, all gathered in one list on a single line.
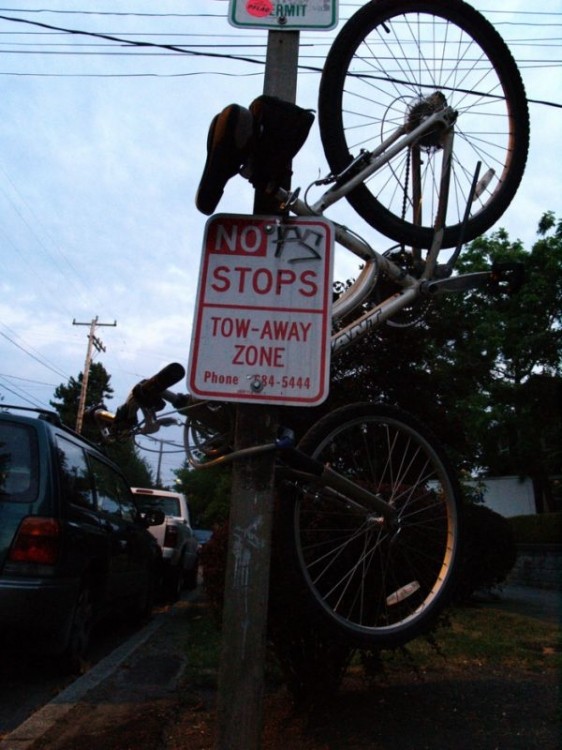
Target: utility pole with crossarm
[(93, 343)]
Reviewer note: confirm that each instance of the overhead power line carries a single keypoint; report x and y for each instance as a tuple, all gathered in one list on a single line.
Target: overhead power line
[(19, 394), (180, 49), (36, 357), (132, 42)]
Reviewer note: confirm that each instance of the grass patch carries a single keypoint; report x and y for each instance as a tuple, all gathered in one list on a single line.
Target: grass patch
[(485, 637), (203, 645), (470, 636)]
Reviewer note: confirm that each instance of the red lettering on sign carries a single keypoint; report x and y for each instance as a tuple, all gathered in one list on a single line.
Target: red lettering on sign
[(262, 356), (262, 281), (228, 327)]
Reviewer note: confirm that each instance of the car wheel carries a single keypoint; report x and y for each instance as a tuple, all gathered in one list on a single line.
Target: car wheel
[(73, 658), (143, 603)]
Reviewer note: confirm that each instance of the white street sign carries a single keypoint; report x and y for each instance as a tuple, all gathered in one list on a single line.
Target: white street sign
[(263, 315), (268, 14)]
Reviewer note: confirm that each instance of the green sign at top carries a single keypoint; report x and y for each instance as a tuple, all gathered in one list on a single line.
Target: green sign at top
[(269, 14)]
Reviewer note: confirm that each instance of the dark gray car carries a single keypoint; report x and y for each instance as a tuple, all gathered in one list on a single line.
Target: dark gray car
[(73, 545)]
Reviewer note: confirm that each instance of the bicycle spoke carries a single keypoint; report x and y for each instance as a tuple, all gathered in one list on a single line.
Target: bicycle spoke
[(377, 578), (383, 71)]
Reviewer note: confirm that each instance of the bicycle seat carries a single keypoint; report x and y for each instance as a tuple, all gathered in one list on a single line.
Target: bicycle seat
[(258, 142), (228, 141)]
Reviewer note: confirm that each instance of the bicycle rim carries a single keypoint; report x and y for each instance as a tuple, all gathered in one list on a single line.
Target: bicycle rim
[(384, 69), (378, 585)]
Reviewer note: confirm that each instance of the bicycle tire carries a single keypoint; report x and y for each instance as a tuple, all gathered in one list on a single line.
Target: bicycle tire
[(387, 57), (371, 585)]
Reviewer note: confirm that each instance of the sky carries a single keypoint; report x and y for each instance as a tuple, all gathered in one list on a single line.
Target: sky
[(102, 146)]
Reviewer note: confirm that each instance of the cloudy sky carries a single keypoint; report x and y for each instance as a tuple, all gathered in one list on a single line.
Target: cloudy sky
[(101, 149)]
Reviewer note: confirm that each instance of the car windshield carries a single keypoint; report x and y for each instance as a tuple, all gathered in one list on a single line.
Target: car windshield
[(168, 505), (19, 465)]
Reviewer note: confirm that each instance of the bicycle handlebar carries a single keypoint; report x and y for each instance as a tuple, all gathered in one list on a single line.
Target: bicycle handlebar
[(146, 395), (148, 392)]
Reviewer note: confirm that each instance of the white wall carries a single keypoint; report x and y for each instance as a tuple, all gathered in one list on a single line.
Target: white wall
[(509, 496)]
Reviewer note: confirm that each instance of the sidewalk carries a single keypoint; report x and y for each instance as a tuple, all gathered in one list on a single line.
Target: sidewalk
[(132, 693)]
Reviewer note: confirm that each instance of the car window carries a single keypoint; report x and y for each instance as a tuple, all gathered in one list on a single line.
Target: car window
[(129, 508), (106, 487), (19, 463), (168, 505), (114, 494), (76, 481)]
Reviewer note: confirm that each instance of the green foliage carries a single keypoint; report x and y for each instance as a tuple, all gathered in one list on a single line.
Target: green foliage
[(480, 636), (67, 397), (545, 528), (482, 368), (312, 662), (208, 491), (213, 565), (203, 646), (489, 551), (135, 468)]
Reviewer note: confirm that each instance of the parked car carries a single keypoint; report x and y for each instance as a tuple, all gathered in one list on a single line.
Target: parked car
[(180, 548), (73, 545), (202, 536)]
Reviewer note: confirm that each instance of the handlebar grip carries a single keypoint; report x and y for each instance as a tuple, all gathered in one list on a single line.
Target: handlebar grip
[(147, 392)]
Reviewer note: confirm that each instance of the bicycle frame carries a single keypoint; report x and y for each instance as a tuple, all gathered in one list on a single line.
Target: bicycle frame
[(411, 287), (355, 174)]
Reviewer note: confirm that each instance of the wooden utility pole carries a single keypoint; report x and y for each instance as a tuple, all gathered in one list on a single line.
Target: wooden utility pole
[(93, 342), (241, 677)]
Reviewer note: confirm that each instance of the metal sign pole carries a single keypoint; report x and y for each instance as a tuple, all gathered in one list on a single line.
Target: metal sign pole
[(241, 676)]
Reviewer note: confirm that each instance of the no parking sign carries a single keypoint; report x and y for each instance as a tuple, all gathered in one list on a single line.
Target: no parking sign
[(263, 316)]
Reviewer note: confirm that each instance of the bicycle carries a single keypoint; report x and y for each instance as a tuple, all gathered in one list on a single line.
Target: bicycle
[(372, 504)]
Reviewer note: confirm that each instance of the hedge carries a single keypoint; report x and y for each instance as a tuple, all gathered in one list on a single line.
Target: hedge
[(543, 528)]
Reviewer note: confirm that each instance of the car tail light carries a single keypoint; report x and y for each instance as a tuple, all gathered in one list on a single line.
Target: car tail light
[(37, 541), (171, 536)]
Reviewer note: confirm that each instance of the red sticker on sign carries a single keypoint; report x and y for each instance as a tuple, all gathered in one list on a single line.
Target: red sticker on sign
[(259, 8)]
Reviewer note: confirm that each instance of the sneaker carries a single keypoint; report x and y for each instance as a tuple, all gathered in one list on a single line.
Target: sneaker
[(228, 141)]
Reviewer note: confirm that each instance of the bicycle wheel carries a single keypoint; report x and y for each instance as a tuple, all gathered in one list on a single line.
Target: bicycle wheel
[(395, 62), (377, 584)]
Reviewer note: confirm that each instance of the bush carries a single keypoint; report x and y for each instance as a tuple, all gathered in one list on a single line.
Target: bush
[(311, 661), (213, 565), (489, 550), (544, 528)]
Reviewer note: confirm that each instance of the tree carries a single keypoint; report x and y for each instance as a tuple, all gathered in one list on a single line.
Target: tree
[(125, 455), (99, 390), (482, 368), (519, 337), (208, 491)]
